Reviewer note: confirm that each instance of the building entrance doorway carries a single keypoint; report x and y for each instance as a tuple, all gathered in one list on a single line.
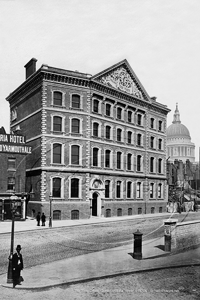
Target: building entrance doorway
[(94, 204)]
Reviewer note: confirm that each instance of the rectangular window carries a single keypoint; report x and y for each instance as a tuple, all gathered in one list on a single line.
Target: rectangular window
[(151, 195), (160, 125), (74, 188), (119, 160), (76, 101), (129, 137), (119, 113), (95, 157), (107, 189), (12, 163), (75, 155), (11, 183), (118, 189), (108, 132), (57, 98)]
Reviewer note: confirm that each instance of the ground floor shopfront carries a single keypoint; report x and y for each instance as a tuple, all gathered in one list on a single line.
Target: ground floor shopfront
[(5, 208)]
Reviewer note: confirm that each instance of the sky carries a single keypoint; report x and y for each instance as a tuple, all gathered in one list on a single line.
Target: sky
[(159, 38)]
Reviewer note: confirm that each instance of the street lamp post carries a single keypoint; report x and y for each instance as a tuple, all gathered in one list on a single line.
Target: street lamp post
[(14, 204), (50, 214)]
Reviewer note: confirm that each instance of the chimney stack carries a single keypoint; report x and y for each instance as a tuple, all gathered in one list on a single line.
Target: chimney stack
[(30, 67)]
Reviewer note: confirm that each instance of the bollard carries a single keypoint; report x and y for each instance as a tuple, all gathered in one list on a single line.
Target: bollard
[(137, 250)]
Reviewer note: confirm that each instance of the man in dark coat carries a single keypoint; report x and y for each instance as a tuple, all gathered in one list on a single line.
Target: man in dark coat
[(43, 217), (38, 219), (17, 266)]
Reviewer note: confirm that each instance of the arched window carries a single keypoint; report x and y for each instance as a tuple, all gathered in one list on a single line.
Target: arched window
[(139, 119), (139, 192), (160, 125), (139, 139), (107, 189), (56, 215), (129, 161), (95, 157), (119, 113), (76, 101), (107, 158), (118, 191), (56, 187), (108, 213), (152, 164), (160, 144), (152, 140), (129, 137), (139, 161), (152, 123), (129, 189), (75, 126), (57, 153), (57, 98), (108, 109), (160, 190), (96, 105), (108, 131), (74, 188), (152, 210), (75, 155), (95, 129), (160, 165), (130, 211), (130, 116), (119, 212), (151, 195), (57, 124), (119, 158), (75, 215), (119, 135)]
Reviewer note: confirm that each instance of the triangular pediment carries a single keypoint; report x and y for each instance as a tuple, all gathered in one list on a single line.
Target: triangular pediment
[(121, 77)]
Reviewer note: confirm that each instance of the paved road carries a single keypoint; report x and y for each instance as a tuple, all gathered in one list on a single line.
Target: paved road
[(170, 284), (42, 246)]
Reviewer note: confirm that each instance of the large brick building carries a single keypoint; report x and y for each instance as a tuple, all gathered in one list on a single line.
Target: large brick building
[(98, 142)]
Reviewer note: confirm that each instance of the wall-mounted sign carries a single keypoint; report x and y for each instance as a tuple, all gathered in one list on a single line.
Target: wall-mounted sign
[(14, 144)]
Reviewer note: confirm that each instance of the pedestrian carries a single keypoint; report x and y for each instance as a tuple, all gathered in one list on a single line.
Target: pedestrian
[(38, 219), (17, 266), (43, 217)]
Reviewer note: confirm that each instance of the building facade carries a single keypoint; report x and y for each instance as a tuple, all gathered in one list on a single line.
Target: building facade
[(179, 145), (13, 151), (98, 142)]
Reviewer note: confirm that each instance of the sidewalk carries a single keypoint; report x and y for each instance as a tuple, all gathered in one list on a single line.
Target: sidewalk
[(100, 264)]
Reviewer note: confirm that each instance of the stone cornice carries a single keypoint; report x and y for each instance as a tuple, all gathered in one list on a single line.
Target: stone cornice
[(81, 80)]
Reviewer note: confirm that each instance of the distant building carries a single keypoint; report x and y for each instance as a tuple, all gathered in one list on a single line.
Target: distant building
[(179, 145), (13, 152), (99, 142)]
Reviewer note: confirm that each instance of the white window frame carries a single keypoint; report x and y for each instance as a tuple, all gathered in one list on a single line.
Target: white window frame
[(62, 185), (99, 157), (121, 189), (80, 154), (141, 189), (62, 153), (111, 159), (63, 122), (131, 196), (52, 98), (122, 113), (80, 186), (81, 100), (70, 124), (111, 131), (152, 184), (99, 106)]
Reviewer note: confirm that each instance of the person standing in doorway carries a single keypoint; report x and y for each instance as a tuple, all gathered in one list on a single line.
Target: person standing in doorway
[(38, 219), (43, 217), (17, 266)]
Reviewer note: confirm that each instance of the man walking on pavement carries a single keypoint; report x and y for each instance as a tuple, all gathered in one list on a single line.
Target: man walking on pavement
[(43, 217), (17, 266), (38, 219)]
